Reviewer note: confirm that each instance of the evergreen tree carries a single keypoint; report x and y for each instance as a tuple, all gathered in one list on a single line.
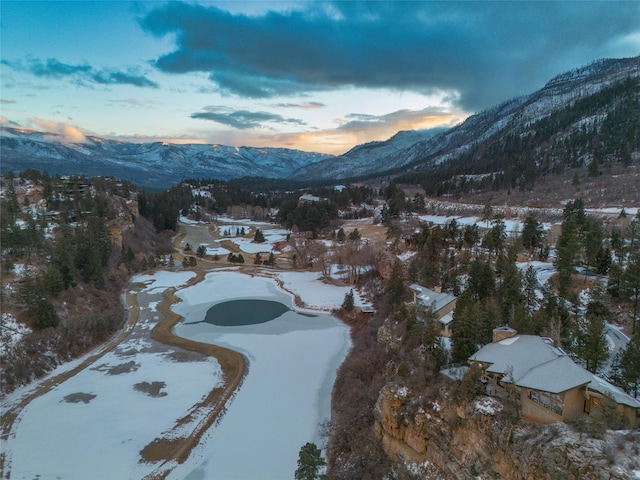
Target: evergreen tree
[(395, 284), (272, 259), (568, 249), (192, 261), (529, 291), (201, 251), (340, 237), (354, 236), (348, 302), (591, 341), (627, 367), (259, 236), (464, 329), (532, 234), (631, 286), (310, 463), (258, 259)]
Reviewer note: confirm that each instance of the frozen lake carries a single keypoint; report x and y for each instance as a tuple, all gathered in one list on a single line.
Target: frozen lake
[(286, 395), (101, 418)]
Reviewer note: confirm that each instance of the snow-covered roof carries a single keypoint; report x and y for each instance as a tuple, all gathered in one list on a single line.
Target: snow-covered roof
[(534, 363), (603, 387), (309, 198), (434, 300), (446, 319)]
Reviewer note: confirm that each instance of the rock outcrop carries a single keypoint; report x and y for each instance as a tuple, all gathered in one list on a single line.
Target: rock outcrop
[(436, 439)]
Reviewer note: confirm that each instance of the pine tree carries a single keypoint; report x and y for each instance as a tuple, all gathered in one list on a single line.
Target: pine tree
[(627, 367), (259, 236), (310, 463), (272, 259), (347, 304), (395, 284)]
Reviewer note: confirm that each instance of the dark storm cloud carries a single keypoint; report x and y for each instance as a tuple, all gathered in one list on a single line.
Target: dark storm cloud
[(242, 119), (82, 74), (486, 51)]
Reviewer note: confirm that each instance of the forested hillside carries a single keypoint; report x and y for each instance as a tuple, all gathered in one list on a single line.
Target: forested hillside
[(598, 132), (69, 245)]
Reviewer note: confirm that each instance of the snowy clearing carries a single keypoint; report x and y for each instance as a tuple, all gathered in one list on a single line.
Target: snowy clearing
[(100, 419)]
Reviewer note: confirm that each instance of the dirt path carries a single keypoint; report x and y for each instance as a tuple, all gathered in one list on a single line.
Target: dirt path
[(234, 367)]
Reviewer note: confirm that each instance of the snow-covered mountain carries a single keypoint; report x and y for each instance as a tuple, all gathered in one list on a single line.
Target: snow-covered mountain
[(156, 165), (424, 150), (162, 165)]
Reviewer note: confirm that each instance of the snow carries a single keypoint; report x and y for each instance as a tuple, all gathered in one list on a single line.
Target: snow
[(98, 421), (511, 226), (11, 332), (317, 294), (488, 406), (286, 395), (282, 402), (162, 280)]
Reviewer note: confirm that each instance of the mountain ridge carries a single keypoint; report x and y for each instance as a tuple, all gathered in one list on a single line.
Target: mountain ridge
[(161, 165)]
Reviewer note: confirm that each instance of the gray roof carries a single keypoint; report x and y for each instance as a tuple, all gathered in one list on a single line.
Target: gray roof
[(603, 387), (534, 363), (434, 300)]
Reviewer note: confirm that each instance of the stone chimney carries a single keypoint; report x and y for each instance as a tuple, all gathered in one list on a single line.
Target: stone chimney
[(437, 289), (500, 333)]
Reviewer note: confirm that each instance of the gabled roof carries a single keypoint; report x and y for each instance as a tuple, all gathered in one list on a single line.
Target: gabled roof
[(431, 299), (534, 363)]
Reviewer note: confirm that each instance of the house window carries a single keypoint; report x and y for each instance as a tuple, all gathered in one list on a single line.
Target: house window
[(550, 401)]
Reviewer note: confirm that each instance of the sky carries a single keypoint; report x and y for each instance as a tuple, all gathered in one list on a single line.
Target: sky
[(314, 76)]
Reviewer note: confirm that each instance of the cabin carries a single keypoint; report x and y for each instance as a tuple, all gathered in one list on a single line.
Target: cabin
[(549, 386), (441, 304)]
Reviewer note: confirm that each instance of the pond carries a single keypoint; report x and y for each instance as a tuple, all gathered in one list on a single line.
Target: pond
[(244, 312), (293, 357)]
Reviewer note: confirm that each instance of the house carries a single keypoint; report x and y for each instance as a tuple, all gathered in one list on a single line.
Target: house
[(441, 304), (308, 198), (549, 386)]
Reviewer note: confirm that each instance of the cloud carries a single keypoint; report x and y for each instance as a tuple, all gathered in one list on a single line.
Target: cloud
[(66, 133), (242, 119), (382, 126), (135, 103), (81, 74), (304, 106), (486, 52)]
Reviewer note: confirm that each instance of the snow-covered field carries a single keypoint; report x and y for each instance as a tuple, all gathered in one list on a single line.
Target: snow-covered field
[(94, 424)]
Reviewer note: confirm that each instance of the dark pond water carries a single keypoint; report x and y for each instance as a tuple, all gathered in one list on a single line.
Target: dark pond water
[(244, 312)]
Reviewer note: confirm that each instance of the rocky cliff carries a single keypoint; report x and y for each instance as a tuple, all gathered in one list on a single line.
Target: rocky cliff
[(435, 439)]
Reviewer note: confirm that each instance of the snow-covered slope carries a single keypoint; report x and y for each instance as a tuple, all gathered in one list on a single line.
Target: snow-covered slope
[(147, 164), (420, 153), (161, 165)]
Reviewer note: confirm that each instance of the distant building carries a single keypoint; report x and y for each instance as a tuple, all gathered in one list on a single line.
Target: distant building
[(441, 304), (307, 197), (549, 386)]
